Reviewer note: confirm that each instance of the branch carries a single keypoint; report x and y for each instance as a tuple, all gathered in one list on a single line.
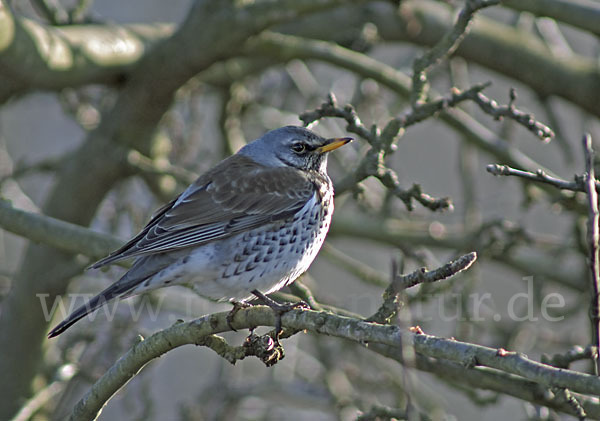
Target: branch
[(353, 266), (593, 238), (34, 56), (382, 143), (285, 47), (422, 275), (399, 283), (540, 176), (145, 165), (53, 232), (402, 234), (446, 46), (499, 111), (493, 380), (355, 330), (577, 353), (582, 14), (499, 47)]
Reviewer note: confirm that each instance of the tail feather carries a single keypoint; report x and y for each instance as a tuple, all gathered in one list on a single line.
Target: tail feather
[(96, 302), (143, 268)]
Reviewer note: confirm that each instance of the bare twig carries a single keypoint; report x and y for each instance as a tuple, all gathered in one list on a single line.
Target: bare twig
[(330, 109), (373, 163), (354, 266), (592, 237), (540, 176), (461, 377), (300, 289), (577, 353), (491, 107), (446, 46), (401, 282), (422, 275), (427, 109), (54, 232), (22, 169), (143, 164)]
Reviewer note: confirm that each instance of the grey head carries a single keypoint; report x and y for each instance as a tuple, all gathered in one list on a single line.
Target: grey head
[(293, 146)]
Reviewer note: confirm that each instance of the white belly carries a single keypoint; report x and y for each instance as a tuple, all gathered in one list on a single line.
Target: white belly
[(266, 258)]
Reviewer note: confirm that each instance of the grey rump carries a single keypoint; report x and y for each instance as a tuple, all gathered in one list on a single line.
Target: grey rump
[(255, 222)]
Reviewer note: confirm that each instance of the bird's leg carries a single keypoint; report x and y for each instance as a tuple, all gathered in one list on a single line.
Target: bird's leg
[(279, 309), (237, 306)]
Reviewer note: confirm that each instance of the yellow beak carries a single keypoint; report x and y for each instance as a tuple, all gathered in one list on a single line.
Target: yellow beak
[(333, 144)]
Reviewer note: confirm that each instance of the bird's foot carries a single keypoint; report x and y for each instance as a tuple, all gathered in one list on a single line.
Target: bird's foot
[(279, 308), (237, 306)]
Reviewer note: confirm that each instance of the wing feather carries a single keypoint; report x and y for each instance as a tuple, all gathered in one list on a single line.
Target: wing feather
[(237, 195)]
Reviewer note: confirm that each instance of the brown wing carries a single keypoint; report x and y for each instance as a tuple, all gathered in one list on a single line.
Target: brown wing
[(235, 196)]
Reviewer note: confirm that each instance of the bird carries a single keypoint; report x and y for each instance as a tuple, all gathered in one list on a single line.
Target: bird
[(248, 227)]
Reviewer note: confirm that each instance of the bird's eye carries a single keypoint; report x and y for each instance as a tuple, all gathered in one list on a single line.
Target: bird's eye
[(299, 147)]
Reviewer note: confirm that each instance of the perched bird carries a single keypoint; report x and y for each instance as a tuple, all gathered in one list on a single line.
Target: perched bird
[(249, 226)]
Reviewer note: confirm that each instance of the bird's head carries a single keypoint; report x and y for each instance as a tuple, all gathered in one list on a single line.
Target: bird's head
[(293, 146)]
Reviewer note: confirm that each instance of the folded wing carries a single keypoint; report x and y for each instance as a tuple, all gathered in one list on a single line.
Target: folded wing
[(235, 196)]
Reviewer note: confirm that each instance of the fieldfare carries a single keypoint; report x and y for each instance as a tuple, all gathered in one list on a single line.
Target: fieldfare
[(249, 226)]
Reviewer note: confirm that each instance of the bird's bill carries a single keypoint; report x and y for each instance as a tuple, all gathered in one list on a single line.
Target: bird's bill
[(333, 144)]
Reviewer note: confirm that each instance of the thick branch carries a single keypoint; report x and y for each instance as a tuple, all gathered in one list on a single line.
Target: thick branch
[(582, 14), (56, 233), (493, 380), (37, 56), (359, 331)]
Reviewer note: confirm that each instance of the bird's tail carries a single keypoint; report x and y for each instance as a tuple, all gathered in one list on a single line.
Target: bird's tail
[(116, 290)]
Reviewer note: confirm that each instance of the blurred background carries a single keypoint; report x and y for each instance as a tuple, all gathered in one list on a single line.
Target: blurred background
[(529, 290)]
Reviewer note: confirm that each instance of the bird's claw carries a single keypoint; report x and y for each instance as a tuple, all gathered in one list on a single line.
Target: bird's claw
[(279, 309), (237, 306)]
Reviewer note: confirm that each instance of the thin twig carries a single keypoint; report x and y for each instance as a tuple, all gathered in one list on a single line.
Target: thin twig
[(446, 46), (144, 164), (577, 353), (592, 237), (373, 163), (422, 275), (301, 290), (399, 283), (491, 107), (354, 266), (330, 109), (22, 169), (540, 176)]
